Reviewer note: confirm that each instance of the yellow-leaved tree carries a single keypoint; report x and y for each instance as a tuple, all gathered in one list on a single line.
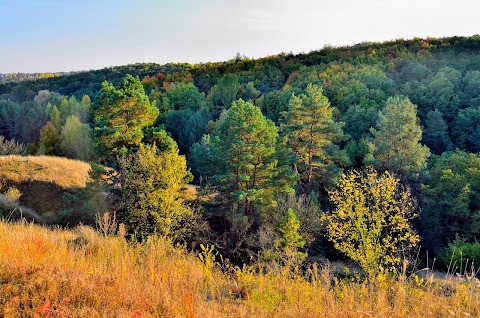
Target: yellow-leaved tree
[(370, 222), (151, 192)]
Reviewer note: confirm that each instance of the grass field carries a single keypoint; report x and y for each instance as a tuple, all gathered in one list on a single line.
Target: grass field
[(42, 182), (79, 273), (66, 173)]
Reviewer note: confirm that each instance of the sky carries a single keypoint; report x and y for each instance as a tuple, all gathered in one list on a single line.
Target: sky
[(72, 35)]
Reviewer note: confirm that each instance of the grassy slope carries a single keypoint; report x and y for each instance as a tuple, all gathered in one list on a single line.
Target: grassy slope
[(59, 273), (42, 180), (66, 173)]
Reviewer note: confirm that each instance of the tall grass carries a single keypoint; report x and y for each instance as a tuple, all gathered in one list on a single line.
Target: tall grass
[(62, 171), (11, 147), (80, 273)]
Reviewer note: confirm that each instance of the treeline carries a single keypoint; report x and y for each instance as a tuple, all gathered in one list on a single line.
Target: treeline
[(268, 141), (18, 77), (76, 83)]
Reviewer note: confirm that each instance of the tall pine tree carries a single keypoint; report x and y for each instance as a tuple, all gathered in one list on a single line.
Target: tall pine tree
[(396, 143), (311, 135), (120, 115), (245, 153)]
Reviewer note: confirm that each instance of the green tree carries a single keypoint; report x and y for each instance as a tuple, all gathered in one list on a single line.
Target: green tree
[(187, 127), (76, 139), (396, 140), (49, 140), (151, 193), (471, 88), (120, 116), (311, 135), (201, 158), (186, 96), (451, 199), (249, 93), (55, 117), (72, 107), (466, 129), (291, 241), (159, 137), (245, 153), (370, 222), (224, 93), (436, 135), (308, 212), (275, 103), (358, 121)]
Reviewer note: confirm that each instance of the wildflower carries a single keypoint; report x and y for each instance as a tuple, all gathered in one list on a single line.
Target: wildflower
[(45, 308)]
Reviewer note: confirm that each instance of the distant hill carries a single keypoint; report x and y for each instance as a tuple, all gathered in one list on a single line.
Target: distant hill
[(19, 77), (439, 76), (89, 82)]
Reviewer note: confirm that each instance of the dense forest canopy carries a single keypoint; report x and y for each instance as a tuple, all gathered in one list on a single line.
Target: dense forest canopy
[(273, 137)]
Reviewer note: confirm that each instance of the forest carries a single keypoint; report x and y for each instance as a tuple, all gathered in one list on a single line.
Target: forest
[(367, 153)]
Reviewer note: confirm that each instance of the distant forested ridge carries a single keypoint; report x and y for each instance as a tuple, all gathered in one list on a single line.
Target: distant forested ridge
[(273, 136), (18, 77)]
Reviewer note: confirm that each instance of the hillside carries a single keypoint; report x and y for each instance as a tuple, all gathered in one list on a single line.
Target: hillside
[(63, 172), (79, 273), (43, 180), (268, 145)]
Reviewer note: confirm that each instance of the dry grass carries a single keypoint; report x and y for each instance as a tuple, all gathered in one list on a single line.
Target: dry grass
[(57, 273), (190, 192), (66, 173)]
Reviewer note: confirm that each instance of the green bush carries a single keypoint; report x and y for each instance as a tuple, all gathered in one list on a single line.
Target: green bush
[(459, 255)]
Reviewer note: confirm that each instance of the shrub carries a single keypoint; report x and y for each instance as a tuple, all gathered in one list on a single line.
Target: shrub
[(460, 256), (11, 147), (13, 194), (370, 223)]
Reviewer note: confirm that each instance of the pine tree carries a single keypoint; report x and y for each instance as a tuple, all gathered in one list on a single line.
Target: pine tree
[(245, 152), (120, 116), (396, 143), (291, 240), (311, 134)]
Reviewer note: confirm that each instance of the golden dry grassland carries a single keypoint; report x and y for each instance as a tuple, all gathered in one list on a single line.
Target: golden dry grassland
[(64, 172), (79, 273)]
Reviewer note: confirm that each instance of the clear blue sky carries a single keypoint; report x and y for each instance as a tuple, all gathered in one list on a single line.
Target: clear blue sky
[(69, 35)]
